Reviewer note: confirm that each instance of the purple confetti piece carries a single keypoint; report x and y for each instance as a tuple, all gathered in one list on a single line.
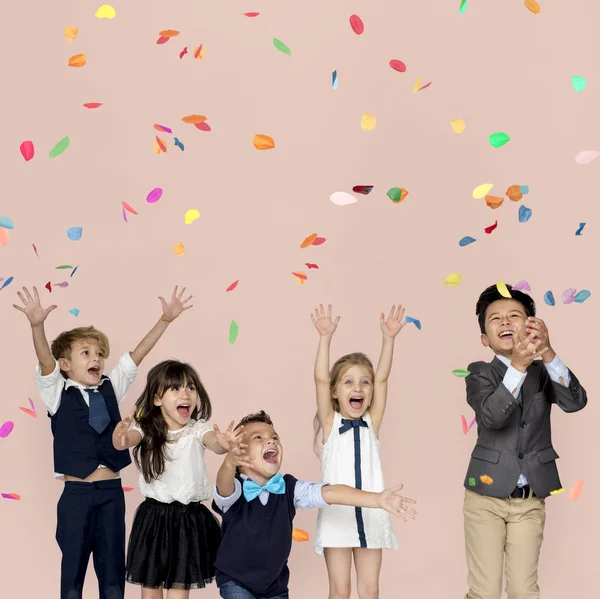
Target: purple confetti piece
[(166, 129), (472, 423), (568, 296), (6, 429), (63, 284), (522, 286), (154, 195), (31, 404)]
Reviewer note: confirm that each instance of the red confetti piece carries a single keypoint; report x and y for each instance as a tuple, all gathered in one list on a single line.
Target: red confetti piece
[(28, 411), (92, 104), (357, 25), (162, 39), (127, 489), (48, 286), (465, 426), (35, 250), (10, 496), (161, 144), (129, 208), (163, 129), (183, 52), (319, 241), (300, 275), (424, 86), (27, 150), (203, 126), (311, 265), (197, 51), (232, 286), (363, 189), (398, 65), (489, 229), (251, 14)]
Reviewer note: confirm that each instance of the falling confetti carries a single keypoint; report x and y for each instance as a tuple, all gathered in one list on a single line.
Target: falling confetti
[(397, 194), (300, 277), (461, 372), (549, 298), (514, 193), (160, 145), (458, 126), (417, 323), (582, 296), (6, 222), (568, 296), (465, 426), (128, 489), (233, 332), (27, 150), (576, 490), (299, 535), (497, 140), (251, 14), (578, 83), (74, 311), (557, 491), (368, 122), (466, 241), (106, 12), (70, 33), (472, 481), (524, 213), (7, 283), (48, 286), (482, 190), (491, 228), (503, 290), (127, 208), (60, 147), (586, 156), (78, 60), (194, 119), (319, 241), (179, 144), (232, 286), (341, 198), (453, 279), (311, 265), (93, 105), (74, 233), (486, 480), (203, 126), (308, 241), (363, 189), (357, 24), (74, 271), (6, 429), (532, 6), (154, 195), (168, 33), (524, 189), (424, 86), (183, 52), (522, 286), (3, 237), (198, 52), (334, 80), (580, 229), (32, 411), (179, 249), (191, 216), (463, 7), (10, 496), (279, 45), (163, 129), (398, 65), (494, 202), (263, 142)]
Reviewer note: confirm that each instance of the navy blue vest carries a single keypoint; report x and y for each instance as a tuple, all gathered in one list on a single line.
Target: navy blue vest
[(257, 541), (78, 448)]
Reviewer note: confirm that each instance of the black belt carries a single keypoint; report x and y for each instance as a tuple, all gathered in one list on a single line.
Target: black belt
[(522, 492)]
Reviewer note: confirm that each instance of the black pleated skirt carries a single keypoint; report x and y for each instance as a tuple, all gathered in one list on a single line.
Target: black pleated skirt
[(172, 545)]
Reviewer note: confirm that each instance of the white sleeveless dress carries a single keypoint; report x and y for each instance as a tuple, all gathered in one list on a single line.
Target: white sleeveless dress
[(345, 526)]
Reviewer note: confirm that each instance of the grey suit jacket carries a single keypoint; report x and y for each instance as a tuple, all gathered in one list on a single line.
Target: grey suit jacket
[(513, 434)]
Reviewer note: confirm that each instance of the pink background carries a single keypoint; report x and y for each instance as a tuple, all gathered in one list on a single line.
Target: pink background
[(498, 66)]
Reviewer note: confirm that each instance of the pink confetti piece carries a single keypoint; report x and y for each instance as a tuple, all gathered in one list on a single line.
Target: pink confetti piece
[(154, 195), (10, 496), (357, 24), (568, 296), (6, 429), (465, 428), (522, 286), (586, 156), (398, 65), (27, 150), (128, 489), (576, 490), (424, 86), (232, 286)]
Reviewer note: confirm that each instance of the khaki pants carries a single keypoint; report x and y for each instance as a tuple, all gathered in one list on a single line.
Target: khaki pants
[(499, 529)]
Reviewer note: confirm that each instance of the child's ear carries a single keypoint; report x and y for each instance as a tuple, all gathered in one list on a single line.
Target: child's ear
[(64, 365), (157, 401), (485, 341)]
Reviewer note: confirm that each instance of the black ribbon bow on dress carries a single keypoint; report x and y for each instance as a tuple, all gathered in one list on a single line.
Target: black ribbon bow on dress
[(349, 424)]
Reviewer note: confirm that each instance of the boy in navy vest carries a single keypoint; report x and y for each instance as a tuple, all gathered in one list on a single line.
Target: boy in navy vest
[(258, 506), (83, 406)]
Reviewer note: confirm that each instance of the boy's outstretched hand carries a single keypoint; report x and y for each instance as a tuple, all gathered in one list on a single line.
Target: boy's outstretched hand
[(391, 501), (177, 305), (394, 323), (33, 307), (229, 438)]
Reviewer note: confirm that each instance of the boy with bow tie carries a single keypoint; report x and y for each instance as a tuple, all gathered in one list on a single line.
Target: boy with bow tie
[(258, 506)]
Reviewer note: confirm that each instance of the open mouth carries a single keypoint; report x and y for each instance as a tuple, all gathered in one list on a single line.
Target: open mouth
[(94, 371), (356, 402), (270, 456), (506, 335), (184, 409)]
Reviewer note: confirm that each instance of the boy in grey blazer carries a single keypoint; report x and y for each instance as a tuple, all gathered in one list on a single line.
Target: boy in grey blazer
[(513, 465)]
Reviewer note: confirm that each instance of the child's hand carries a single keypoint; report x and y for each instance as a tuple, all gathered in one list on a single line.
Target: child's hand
[(526, 348), (323, 322), (237, 456), (33, 308), (538, 328), (229, 438), (176, 306), (391, 501), (120, 434), (395, 322)]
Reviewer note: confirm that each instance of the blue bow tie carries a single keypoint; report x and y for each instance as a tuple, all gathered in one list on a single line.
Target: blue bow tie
[(348, 424), (275, 485)]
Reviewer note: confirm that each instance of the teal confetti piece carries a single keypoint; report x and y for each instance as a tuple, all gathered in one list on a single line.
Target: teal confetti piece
[(279, 45), (6, 283), (233, 332), (60, 147), (578, 83), (497, 140), (179, 145), (334, 80), (74, 311), (461, 372), (580, 230), (6, 223), (463, 7), (524, 213), (466, 241), (524, 189), (582, 296), (549, 298), (416, 322), (74, 233)]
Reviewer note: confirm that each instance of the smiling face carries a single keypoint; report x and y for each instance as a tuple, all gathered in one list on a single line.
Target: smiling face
[(354, 391), (264, 452), (85, 363), (503, 318), (177, 405)]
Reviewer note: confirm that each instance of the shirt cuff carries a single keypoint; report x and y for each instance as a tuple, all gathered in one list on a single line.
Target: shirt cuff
[(224, 503), (513, 380), (557, 370)]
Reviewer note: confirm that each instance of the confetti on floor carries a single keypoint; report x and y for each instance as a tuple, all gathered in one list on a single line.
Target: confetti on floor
[(341, 198), (233, 332), (74, 233), (263, 142), (27, 150), (60, 147), (453, 279), (576, 490), (497, 140), (578, 83), (299, 535), (586, 156), (6, 429)]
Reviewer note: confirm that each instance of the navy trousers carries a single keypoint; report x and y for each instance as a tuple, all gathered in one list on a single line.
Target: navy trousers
[(91, 520)]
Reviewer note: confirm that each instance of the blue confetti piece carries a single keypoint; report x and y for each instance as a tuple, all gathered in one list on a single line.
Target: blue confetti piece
[(549, 298), (466, 241), (74, 233), (524, 189), (582, 296), (74, 311), (416, 322), (179, 145), (524, 213), (6, 223), (334, 80), (6, 283), (74, 271), (581, 225)]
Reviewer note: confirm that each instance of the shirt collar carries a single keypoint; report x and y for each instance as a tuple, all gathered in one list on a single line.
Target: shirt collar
[(72, 383), (503, 359)]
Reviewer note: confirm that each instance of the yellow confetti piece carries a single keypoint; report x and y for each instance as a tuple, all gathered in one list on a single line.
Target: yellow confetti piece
[(198, 52), (160, 145), (70, 33), (368, 122), (106, 12), (453, 279), (557, 492), (486, 480), (191, 216), (458, 126), (533, 6), (139, 413), (179, 249), (503, 290), (300, 277), (417, 84), (482, 190)]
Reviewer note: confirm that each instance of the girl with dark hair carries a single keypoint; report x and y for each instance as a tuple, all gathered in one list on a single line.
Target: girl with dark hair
[(174, 537)]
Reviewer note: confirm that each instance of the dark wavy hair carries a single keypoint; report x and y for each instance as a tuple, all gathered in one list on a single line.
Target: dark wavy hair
[(491, 295), (150, 454)]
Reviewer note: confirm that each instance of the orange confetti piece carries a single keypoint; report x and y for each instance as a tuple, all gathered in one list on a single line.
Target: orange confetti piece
[(70, 33), (78, 60), (300, 277), (3, 236), (10, 496), (494, 201), (533, 6), (486, 480), (162, 129), (160, 145), (179, 249), (308, 241), (576, 490), (199, 52), (514, 193), (194, 119), (168, 33), (300, 535), (263, 142)]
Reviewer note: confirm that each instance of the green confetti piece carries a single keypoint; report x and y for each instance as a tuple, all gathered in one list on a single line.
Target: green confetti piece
[(395, 193), (578, 83), (233, 331), (279, 45), (497, 140), (472, 481), (461, 372), (463, 7), (60, 147), (63, 266)]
